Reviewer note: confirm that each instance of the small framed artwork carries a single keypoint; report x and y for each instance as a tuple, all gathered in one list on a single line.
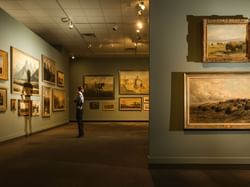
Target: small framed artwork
[(25, 72), (46, 101), (108, 106), (24, 107), (225, 40), (94, 105), (146, 106), (133, 82), (130, 103), (3, 99), (58, 98), (98, 87), (60, 79), (3, 65), (146, 99), (49, 70), (217, 100), (13, 104), (35, 110)]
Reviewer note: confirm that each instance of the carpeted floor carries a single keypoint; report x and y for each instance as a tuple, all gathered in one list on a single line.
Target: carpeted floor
[(110, 155)]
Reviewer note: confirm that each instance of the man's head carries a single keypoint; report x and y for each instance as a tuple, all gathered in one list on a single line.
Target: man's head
[(80, 89)]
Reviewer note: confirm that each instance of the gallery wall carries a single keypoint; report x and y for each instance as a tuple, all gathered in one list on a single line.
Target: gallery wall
[(175, 48), (13, 33), (106, 66)]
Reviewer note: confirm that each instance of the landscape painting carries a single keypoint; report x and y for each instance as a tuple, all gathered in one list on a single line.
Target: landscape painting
[(3, 65), (98, 87), (217, 101), (25, 71), (108, 106), (3, 99), (46, 101), (24, 107), (225, 40), (35, 110), (130, 103), (58, 100), (49, 70), (133, 82)]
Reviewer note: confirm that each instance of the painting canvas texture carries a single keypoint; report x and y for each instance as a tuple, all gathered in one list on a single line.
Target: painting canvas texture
[(217, 100), (225, 40), (130, 103), (24, 67), (49, 70), (3, 65), (134, 82), (98, 87), (46, 101), (58, 100)]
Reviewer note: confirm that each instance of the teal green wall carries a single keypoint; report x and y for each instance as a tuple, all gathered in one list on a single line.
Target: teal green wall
[(12, 33), (176, 47), (105, 67)]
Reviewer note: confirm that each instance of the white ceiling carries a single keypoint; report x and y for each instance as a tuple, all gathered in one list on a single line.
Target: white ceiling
[(88, 16)]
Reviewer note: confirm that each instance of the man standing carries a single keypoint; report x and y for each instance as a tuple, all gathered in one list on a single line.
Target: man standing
[(79, 100)]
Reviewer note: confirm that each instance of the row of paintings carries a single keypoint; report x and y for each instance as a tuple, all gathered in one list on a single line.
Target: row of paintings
[(50, 97), (25, 69), (125, 104), (102, 86)]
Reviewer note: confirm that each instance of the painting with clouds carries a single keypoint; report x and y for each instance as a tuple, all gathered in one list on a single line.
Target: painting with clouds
[(217, 100)]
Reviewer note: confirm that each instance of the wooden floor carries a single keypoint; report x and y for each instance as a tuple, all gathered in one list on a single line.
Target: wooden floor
[(110, 155)]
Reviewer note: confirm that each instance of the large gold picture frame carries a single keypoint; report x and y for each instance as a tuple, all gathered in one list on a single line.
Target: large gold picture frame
[(24, 67), (133, 82), (225, 40), (3, 65), (98, 87), (217, 100), (58, 98), (49, 70)]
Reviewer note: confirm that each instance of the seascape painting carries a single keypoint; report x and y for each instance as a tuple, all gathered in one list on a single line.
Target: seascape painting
[(130, 103), (25, 70), (217, 101), (98, 87), (134, 82), (225, 40)]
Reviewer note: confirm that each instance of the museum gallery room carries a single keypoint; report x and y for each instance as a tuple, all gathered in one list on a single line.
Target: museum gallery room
[(132, 93)]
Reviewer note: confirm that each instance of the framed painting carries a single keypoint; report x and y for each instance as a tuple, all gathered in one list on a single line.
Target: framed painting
[(35, 109), (130, 104), (3, 99), (58, 97), (24, 107), (3, 65), (146, 106), (98, 87), (108, 106), (94, 105), (49, 70), (25, 71), (13, 104), (146, 99), (225, 40), (217, 100), (133, 82), (46, 101), (60, 79)]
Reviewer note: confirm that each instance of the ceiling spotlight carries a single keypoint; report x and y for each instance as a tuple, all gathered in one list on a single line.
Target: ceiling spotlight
[(141, 5), (64, 19), (138, 30), (139, 25), (71, 25), (115, 27), (73, 57)]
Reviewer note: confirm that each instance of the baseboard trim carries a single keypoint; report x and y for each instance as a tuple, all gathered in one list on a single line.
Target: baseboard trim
[(145, 121), (19, 135), (198, 160)]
